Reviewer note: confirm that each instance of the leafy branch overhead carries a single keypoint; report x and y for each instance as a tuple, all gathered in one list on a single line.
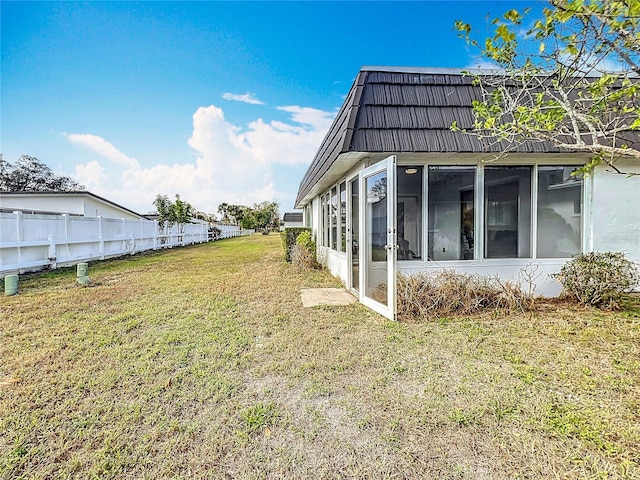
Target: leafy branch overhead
[(572, 79)]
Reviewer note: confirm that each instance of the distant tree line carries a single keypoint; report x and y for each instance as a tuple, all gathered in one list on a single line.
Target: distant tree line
[(262, 216)]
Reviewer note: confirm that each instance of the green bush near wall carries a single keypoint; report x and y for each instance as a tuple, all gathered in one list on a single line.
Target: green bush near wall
[(289, 236)]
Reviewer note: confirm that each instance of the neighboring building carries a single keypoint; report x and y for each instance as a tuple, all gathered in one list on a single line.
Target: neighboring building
[(292, 219), (85, 204), (393, 189)]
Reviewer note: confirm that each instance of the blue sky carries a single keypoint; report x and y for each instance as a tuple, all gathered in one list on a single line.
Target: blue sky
[(215, 101)]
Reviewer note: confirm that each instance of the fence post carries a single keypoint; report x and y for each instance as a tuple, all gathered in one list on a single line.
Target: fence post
[(124, 235), (100, 238), (155, 234), (53, 259), (141, 232), (18, 215), (65, 219)]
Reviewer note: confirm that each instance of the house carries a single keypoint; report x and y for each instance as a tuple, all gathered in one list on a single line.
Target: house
[(292, 219), (393, 189), (79, 203)]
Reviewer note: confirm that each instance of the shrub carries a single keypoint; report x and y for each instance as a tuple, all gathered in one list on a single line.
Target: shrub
[(305, 240), (289, 236), (446, 292), (599, 279), (303, 253), (214, 232)]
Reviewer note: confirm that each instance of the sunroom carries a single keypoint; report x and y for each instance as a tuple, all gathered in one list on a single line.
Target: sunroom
[(393, 189)]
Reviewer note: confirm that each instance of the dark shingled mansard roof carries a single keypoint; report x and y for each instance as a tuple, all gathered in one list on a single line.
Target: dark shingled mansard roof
[(397, 110)]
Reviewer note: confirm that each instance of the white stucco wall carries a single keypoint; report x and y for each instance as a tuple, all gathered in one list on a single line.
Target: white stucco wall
[(336, 262), (43, 203), (82, 205), (96, 208), (615, 211)]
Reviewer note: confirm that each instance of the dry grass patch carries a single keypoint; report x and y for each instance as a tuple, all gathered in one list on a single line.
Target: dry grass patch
[(423, 296), (201, 363)]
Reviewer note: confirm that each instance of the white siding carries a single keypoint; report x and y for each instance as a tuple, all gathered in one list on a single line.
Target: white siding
[(615, 212)]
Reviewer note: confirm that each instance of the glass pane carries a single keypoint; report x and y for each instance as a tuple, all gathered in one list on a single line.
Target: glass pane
[(507, 203), (559, 212), (343, 215), (355, 231), (451, 212), (321, 222), (325, 225), (409, 214), (326, 221), (334, 218), (308, 213), (376, 215)]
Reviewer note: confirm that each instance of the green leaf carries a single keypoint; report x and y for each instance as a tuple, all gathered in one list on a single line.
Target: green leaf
[(513, 16)]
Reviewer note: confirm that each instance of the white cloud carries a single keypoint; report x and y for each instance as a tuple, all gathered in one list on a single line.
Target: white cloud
[(317, 119), (245, 98), (593, 62), (91, 175), (103, 148), (231, 164), (483, 64)]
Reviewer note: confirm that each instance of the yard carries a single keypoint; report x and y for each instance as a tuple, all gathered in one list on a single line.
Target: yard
[(201, 362)]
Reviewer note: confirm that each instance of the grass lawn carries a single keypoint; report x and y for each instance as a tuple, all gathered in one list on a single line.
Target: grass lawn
[(201, 362)]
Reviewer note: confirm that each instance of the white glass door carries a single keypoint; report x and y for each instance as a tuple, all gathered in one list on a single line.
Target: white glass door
[(378, 237)]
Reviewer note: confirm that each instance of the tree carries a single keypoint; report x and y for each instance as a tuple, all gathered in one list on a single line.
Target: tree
[(163, 207), (181, 212), (231, 213), (263, 216), (28, 174), (572, 80), (223, 210), (172, 213), (207, 217)]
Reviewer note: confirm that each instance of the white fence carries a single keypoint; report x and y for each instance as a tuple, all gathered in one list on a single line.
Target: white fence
[(33, 242)]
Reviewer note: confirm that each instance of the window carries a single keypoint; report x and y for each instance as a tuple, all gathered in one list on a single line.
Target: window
[(343, 216), (507, 207), (308, 214), (451, 212), (409, 214), (559, 224), (333, 218), (511, 226), (325, 220)]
